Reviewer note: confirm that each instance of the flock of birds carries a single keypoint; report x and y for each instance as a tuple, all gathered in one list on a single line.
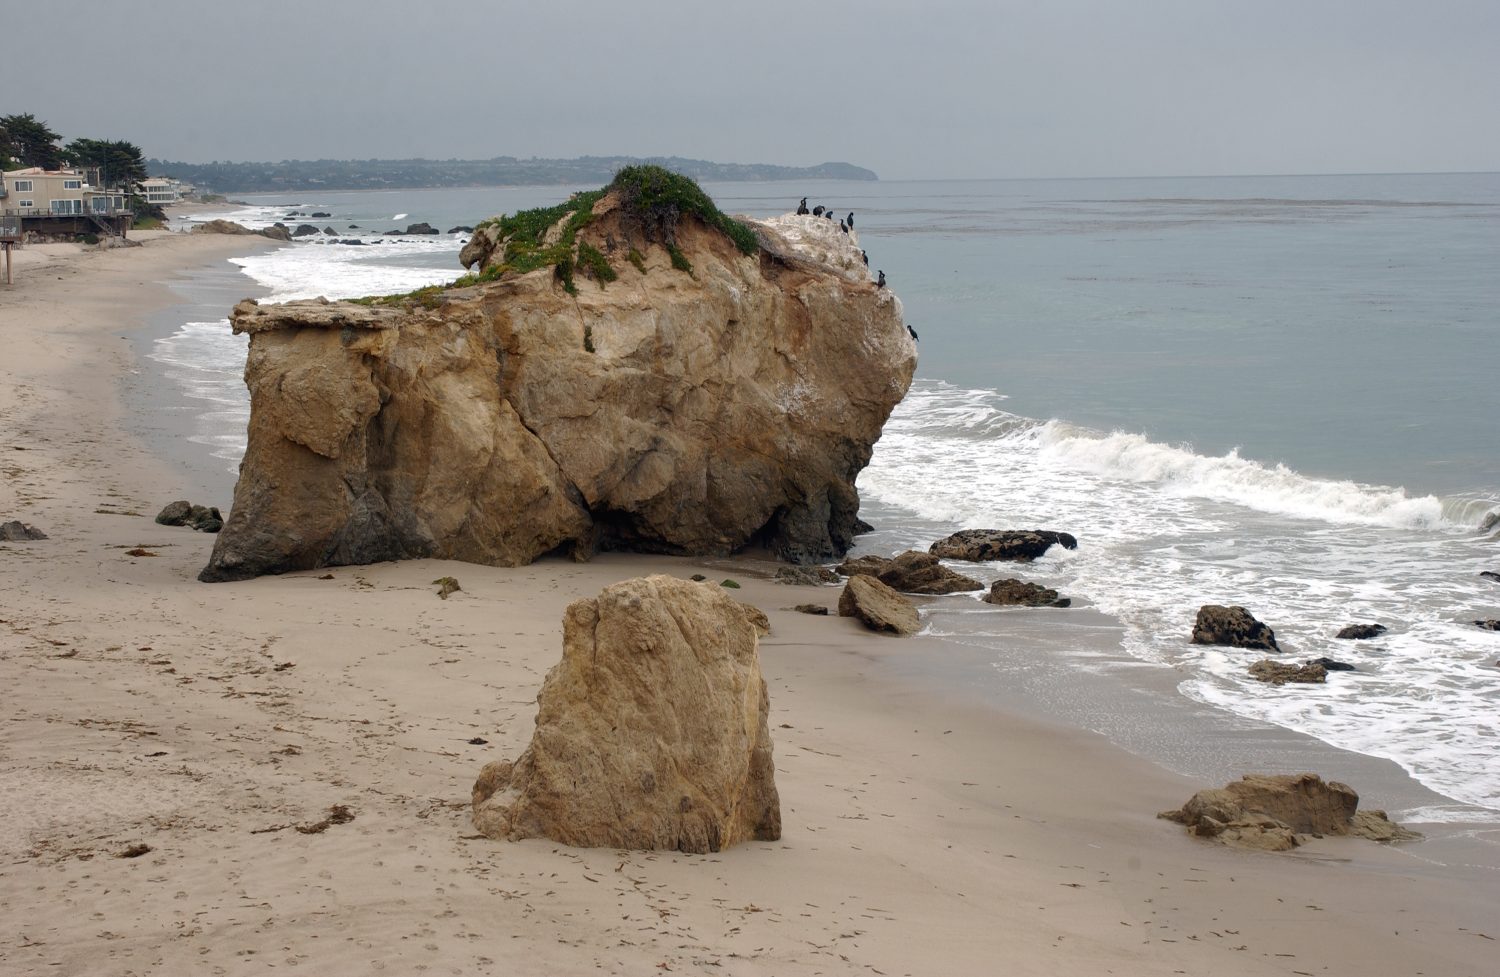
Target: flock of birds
[(846, 225)]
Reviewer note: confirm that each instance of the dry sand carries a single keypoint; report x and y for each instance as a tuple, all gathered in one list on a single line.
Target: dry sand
[(220, 724)]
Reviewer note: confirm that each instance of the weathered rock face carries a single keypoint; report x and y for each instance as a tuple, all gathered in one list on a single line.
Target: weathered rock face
[(1232, 626), (665, 411), (878, 607), (1269, 812), (1021, 593), (1280, 673), (912, 572), (1015, 545), (650, 733)]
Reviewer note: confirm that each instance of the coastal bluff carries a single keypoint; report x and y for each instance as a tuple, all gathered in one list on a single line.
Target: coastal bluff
[(630, 370)]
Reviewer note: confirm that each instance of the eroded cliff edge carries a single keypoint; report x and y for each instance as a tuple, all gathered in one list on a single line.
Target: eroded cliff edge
[(679, 395)]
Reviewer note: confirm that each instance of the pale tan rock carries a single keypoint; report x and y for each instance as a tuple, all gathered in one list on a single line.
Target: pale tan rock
[(667, 412), (1280, 673), (1269, 812), (879, 607), (651, 732), (912, 572)]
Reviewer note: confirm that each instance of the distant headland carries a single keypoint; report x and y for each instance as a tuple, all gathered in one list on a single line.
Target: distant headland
[(394, 174)]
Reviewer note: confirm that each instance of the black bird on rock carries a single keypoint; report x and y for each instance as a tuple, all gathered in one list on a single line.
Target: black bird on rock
[(843, 227), (818, 211), (802, 207), (828, 213), (880, 282), (850, 218), (865, 257), (912, 331)]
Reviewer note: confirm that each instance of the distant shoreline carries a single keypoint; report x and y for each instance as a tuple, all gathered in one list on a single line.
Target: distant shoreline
[(291, 176)]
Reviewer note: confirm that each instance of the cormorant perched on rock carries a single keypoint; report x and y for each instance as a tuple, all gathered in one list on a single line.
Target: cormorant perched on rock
[(863, 256), (880, 282), (828, 213), (818, 211), (843, 227), (851, 218), (802, 207), (912, 331)]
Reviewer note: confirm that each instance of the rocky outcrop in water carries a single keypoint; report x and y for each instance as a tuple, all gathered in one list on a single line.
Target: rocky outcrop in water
[(1013, 545), (1270, 813), (276, 232), (651, 387), (1361, 632), (1232, 626), (1280, 673), (912, 572), (651, 732), (1021, 593)]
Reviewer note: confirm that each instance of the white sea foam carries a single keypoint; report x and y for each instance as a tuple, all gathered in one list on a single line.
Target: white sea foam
[(1163, 530)]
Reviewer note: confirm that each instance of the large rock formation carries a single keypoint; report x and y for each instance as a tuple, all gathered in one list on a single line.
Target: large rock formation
[(1270, 812), (650, 733), (655, 389)]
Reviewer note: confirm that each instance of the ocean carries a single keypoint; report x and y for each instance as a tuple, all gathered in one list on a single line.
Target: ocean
[(1268, 391)]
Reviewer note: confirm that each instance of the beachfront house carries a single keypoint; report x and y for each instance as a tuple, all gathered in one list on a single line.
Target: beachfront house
[(38, 192), (163, 190)]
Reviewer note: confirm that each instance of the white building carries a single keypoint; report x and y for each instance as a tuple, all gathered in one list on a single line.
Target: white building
[(164, 190)]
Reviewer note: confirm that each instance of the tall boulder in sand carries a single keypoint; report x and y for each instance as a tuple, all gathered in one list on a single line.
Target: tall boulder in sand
[(651, 732), (620, 373)]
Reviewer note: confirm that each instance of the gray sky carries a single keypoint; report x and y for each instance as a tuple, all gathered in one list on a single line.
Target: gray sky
[(944, 89)]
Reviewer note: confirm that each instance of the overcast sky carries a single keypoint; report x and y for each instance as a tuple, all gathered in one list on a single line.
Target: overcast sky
[(940, 89)]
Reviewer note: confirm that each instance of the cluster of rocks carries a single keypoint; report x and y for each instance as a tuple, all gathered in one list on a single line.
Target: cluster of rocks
[(16, 531), (204, 519), (420, 228), (1014, 545), (276, 232), (1235, 627), (1278, 812)]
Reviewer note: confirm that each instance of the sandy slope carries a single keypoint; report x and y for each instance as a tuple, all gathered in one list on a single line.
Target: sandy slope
[(923, 835)]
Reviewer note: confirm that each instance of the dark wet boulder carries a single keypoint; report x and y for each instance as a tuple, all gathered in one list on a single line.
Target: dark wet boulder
[(1232, 626), (869, 563), (861, 527), (204, 519), (422, 228), (815, 609), (1489, 625), (1491, 574), (16, 531), (1020, 593), (878, 607), (1331, 665), (461, 229), (276, 232), (319, 214), (1361, 632), (1015, 545), (330, 231), (304, 230), (1280, 673)]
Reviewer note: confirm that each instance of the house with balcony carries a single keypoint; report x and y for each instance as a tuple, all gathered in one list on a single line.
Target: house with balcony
[(62, 202)]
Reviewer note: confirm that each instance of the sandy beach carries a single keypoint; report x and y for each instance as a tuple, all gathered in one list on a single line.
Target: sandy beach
[(925, 832)]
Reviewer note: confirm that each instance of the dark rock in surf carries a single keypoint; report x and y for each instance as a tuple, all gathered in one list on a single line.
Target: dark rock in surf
[(422, 228), (1280, 673), (317, 215), (1361, 632), (304, 230), (1333, 666), (1489, 625), (461, 229), (1014, 545), (1231, 626), (1491, 574), (912, 572), (861, 527), (1020, 593)]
